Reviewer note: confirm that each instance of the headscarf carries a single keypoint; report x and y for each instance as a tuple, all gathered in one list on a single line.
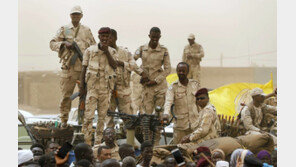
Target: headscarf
[(263, 154), (220, 151), (222, 164), (24, 156), (239, 153)]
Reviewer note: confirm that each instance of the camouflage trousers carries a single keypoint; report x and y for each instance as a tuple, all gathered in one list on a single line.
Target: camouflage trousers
[(194, 72), (154, 96), (67, 85), (124, 102), (101, 103), (179, 134)]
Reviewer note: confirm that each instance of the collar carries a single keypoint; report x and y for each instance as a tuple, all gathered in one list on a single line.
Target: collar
[(179, 83), (70, 25), (147, 47)]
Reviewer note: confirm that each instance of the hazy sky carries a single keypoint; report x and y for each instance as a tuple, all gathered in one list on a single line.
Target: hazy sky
[(234, 28)]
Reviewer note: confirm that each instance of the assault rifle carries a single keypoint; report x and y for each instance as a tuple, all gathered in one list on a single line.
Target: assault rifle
[(77, 53), (81, 105)]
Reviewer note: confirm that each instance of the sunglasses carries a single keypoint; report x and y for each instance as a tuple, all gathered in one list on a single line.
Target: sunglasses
[(200, 98)]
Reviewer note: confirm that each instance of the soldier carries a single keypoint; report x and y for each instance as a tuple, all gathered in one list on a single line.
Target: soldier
[(137, 90), (182, 94), (126, 64), (71, 65), (98, 73), (109, 137), (153, 79), (252, 114), (192, 54), (207, 121)]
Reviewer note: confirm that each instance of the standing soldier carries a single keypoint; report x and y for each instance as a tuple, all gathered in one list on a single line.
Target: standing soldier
[(98, 73), (181, 93), (192, 55), (71, 65), (153, 79), (126, 63)]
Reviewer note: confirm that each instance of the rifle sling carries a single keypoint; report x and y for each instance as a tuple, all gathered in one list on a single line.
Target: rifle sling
[(75, 56)]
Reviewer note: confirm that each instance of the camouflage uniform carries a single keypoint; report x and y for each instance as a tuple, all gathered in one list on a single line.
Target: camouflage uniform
[(114, 151), (152, 62), (185, 108), (207, 125), (252, 116), (123, 77), (137, 90), (196, 54), (100, 79), (70, 73)]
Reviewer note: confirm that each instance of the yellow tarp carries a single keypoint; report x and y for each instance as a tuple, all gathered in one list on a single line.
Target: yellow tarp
[(227, 98)]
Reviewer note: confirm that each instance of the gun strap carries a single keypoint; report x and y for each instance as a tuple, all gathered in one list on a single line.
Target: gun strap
[(75, 56)]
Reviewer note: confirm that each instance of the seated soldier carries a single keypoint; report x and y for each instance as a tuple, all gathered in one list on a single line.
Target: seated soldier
[(253, 113), (109, 140), (208, 122)]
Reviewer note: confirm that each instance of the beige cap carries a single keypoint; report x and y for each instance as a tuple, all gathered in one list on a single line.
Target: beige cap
[(257, 91), (191, 36), (76, 9)]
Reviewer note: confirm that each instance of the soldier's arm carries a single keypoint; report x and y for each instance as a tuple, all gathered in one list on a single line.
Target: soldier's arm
[(270, 109), (200, 53), (57, 42), (91, 38), (131, 64), (204, 128), (110, 59), (247, 120), (166, 67), (137, 55), (169, 100)]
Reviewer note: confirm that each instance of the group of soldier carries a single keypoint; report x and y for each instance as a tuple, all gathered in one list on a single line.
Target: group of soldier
[(106, 68)]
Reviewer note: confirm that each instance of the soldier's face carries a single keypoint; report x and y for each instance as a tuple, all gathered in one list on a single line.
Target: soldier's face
[(154, 37), (191, 41), (37, 151), (202, 100), (76, 17), (182, 71), (104, 39), (112, 40), (259, 98)]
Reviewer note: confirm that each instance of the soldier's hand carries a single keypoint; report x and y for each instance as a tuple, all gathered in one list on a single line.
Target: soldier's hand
[(185, 139), (104, 48), (67, 44)]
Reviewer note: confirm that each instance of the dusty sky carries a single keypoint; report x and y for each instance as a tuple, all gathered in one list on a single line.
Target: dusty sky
[(234, 28)]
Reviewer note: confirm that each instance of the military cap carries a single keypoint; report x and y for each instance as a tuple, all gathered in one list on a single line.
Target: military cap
[(76, 9), (191, 36), (257, 91), (104, 30)]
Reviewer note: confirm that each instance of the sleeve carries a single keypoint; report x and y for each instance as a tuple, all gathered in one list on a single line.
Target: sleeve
[(200, 53), (91, 38), (137, 55), (131, 64), (56, 42), (204, 127), (85, 57), (169, 100), (247, 120), (166, 67)]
